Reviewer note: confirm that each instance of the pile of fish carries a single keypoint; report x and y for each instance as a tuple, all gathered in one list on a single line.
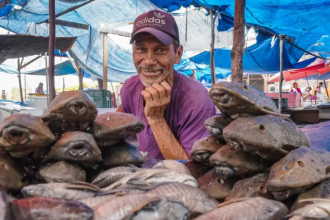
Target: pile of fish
[(73, 163)]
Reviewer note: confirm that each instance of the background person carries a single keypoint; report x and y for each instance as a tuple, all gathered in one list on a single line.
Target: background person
[(40, 89)]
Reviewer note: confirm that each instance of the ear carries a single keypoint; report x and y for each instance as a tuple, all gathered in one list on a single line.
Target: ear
[(178, 54)]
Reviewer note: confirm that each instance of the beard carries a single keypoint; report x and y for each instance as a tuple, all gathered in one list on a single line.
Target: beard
[(148, 81)]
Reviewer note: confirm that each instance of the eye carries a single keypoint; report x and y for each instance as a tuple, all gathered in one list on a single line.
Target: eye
[(160, 50), (140, 49)]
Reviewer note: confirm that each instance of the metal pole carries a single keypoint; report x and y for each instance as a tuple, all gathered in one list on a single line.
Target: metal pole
[(317, 84), (308, 86), (51, 49), (19, 81), (25, 86), (281, 76), (63, 84), (238, 42), (212, 65), (105, 61), (47, 85), (248, 79), (186, 24)]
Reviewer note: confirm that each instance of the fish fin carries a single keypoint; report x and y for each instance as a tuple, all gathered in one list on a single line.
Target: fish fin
[(325, 210), (155, 172), (133, 167), (274, 113), (140, 182), (231, 201), (314, 200), (141, 205), (83, 185)]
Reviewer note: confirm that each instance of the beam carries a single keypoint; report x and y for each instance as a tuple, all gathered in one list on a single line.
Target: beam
[(51, 50), (31, 61), (281, 77), (47, 81), (212, 65), (100, 83), (238, 43), (19, 81), (81, 79), (71, 24), (105, 61), (66, 11)]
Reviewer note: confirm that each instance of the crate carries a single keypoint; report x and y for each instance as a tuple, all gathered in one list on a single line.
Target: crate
[(101, 98), (284, 103)]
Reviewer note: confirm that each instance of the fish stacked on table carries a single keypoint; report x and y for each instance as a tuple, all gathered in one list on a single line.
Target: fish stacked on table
[(261, 162)]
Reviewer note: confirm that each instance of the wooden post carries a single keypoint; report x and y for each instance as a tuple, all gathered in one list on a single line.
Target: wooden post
[(193, 75), (51, 50), (326, 88), (47, 84), (100, 82), (238, 43), (248, 79), (25, 86), (81, 79), (63, 84), (317, 84), (19, 81), (105, 61), (212, 65), (281, 76)]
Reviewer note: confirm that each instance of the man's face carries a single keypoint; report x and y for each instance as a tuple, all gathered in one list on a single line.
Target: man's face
[(153, 60)]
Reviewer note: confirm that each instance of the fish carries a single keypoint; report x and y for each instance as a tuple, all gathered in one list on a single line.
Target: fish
[(70, 111), (122, 154), (22, 134), (5, 211), (198, 169), (120, 206), (216, 124), (62, 172), (197, 201), (240, 100), (258, 208), (78, 147), (269, 136), (285, 178), (58, 190), (319, 209), (50, 209), (319, 191), (215, 186), (146, 178), (159, 208), (229, 162), (11, 177), (112, 175), (112, 127), (172, 165), (254, 186), (204, 148)]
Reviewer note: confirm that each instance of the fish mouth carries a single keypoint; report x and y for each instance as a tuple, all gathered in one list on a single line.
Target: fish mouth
[(224, 170), (283, 194), (16, 135), (78, 149), (220, 96), (77, 107), (214, 130), (201, 156), (136, 128)]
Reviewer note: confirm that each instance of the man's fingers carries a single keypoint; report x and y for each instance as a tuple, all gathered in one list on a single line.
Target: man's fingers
[(167, 87), (154, 93), (160, 89), (146, 95)]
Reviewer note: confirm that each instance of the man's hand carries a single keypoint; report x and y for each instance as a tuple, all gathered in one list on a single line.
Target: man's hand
[(157, 98)]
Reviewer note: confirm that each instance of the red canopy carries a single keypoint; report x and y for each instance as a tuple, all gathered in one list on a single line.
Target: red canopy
[(316, 67)]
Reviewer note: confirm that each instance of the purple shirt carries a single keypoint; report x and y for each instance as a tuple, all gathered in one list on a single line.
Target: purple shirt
[(186, 113)]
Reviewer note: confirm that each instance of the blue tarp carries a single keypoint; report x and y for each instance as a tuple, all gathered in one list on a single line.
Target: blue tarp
[(64, 68), (256, 58)]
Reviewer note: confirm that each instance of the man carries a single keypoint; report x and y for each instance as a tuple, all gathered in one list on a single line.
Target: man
[(172, 106), (39, 89)]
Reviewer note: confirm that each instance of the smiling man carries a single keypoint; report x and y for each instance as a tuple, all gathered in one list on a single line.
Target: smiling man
[(172, 106)]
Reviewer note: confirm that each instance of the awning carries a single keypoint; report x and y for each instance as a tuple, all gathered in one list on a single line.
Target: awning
[(16, 46)]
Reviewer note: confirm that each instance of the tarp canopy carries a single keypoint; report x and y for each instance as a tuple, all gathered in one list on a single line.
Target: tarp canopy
[(262, 58), (16, 46), (64, 68)]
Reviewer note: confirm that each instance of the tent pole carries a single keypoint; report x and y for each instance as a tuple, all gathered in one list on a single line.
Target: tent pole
[(19, 81), (63, 84), (281, 76), (81, 78), (51, 50), (25, 86), (308, 86), (105, 61), (317, 84), (212, 65), (326, 89), (238, 43), (46, 65), (248, 79)]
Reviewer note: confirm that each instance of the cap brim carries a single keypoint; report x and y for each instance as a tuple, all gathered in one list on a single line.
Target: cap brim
[(161, 36)]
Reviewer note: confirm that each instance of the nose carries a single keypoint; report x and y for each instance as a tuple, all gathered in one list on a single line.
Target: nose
[(149, 58)]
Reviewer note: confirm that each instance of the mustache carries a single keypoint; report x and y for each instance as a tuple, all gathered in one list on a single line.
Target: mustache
[(150, 68)]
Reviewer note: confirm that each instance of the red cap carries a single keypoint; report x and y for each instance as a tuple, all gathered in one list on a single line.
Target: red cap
[(158, 23)]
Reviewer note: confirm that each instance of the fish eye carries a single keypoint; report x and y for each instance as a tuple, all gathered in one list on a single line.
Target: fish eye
[(246, 88), (262, 128), (77, 107), (301, 164)]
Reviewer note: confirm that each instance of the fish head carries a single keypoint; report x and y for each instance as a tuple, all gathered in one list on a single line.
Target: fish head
[(76, 146), (43, 190), (216, 124), (10, 176), (224, 94), (116, 125), (22, 132), (74, 105), (159, 208), (204, 148), (301, 168)]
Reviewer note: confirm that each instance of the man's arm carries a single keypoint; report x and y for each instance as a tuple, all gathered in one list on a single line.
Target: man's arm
[(157, 98), (120, 109)]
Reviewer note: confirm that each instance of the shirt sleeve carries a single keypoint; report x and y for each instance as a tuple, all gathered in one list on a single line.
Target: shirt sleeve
[(193, 129)]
